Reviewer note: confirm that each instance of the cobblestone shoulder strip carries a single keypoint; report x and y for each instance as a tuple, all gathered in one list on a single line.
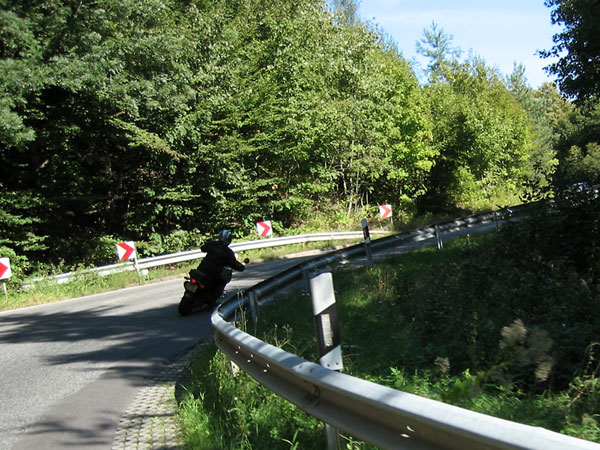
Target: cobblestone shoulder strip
[(151, 422)]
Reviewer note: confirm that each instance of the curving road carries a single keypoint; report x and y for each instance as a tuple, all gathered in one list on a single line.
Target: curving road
[(68, 370)]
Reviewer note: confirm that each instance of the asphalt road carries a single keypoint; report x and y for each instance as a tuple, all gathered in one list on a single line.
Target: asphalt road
[(68, 370)]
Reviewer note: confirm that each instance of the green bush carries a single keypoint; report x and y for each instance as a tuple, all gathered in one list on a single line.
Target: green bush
[(177, 241)]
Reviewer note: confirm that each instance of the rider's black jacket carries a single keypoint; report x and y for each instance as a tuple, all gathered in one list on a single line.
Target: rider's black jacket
[(218, 255)]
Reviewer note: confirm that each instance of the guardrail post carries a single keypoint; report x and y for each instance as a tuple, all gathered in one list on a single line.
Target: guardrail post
[(136, 266), (496, 220), (328, 335), (367, 243), (438, 236), (252, 300), (327, 328), (305, 279)]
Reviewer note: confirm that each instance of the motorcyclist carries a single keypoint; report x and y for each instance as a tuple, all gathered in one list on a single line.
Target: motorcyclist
[(218, 256)]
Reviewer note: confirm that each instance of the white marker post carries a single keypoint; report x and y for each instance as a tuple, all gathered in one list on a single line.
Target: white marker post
[(328, 334)]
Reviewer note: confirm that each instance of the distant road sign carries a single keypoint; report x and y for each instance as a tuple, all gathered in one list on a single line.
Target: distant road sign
[(385, 211), (125, 250), (264, 228), (5, 271)]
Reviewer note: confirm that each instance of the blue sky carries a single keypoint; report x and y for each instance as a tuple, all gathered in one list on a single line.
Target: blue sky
[(501, 31)]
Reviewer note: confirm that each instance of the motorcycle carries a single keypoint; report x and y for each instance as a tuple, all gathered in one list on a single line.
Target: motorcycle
[(201, 290)]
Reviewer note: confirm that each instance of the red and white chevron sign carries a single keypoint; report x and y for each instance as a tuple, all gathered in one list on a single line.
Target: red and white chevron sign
[(125, 250), (264, 228), (5, 271), (385, 211)]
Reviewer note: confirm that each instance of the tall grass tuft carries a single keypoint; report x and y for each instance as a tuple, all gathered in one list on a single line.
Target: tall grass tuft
[(223, 410)]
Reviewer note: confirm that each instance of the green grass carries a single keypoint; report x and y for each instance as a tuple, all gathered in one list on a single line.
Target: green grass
[(220, 410), (413, 303), (88, 284)]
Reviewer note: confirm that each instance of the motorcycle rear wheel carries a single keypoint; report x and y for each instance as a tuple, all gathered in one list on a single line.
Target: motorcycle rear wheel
[(186, 305)]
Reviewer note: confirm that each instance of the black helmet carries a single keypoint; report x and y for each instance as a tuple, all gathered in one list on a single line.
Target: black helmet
[(225, 236)]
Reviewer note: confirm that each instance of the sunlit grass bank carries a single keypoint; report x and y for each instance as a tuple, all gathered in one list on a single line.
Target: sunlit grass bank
[(459, 326)]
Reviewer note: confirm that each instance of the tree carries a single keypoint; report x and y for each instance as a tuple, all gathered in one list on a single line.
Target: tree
[(577, 145), (578, 70), (312, 112), (436, 45), (346, 11), (540, 105), (144, 119), (91, 91), (481, 132)]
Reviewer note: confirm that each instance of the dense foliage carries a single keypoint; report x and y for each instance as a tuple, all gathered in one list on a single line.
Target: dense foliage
[(161, 121), (526, 302), (577, 46)]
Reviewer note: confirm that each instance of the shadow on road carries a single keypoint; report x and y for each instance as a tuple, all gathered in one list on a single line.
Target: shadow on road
[(104, 334)]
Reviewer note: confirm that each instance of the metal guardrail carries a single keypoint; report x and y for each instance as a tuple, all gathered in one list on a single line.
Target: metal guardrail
[(379, 415), (161, 260)]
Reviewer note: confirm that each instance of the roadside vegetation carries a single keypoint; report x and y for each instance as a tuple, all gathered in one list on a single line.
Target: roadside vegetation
[(505, 324)]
